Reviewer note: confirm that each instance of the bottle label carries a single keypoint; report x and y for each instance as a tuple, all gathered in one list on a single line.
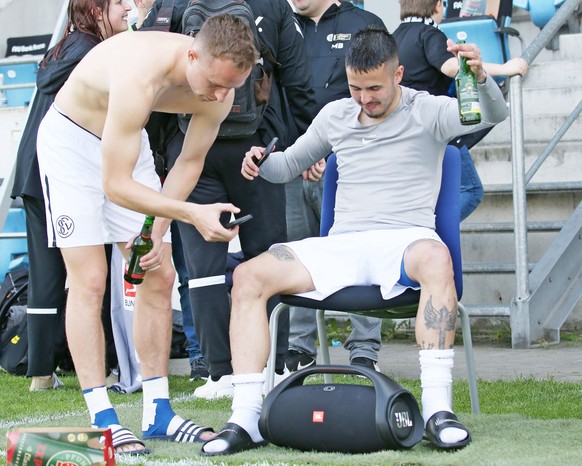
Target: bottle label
[(129, 290), (468, 97), (133, 272)]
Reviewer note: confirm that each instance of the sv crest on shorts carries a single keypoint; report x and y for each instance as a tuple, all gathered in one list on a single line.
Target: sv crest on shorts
[(65, 226)]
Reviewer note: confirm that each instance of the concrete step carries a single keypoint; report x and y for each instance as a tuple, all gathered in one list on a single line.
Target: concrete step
[(537, 129), (552, 100), (570, 48), (492, 156), (498, 289), (556, 73), (488, 253)]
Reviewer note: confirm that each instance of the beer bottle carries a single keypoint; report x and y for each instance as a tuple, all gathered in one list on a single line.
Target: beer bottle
[(467, 95), (142, 244)]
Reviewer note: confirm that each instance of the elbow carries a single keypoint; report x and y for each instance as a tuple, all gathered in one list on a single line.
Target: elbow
[(114, 192), (503, 112), (273, 179)]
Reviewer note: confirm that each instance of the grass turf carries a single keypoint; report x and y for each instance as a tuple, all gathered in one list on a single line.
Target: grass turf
[(523, 422)]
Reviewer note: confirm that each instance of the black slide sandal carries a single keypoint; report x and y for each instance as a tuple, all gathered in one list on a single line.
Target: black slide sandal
[(237, 439), (437, 423)]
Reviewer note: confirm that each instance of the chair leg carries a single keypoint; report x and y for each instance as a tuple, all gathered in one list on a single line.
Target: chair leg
[(273, 323), (468, 343), (323, 348)]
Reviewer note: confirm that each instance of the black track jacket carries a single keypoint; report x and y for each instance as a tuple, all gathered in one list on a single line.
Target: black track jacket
[(326, 44)]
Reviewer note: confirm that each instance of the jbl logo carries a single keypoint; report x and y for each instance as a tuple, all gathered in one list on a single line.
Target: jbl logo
[(403, 420)]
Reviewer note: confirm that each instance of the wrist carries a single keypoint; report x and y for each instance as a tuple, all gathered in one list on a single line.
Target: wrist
[(482, 78)]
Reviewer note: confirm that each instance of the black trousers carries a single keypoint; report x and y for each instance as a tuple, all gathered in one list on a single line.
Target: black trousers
[(46, 294), (221, 181), (45, 317)]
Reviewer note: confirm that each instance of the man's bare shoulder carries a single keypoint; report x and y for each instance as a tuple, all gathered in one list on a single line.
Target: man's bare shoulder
[(142, 47), (141, 71)]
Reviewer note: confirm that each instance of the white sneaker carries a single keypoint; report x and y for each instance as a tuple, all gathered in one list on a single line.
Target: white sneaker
[(212, 390), (278, 379)]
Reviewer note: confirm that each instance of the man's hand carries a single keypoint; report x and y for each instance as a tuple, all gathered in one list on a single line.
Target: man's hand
[(249, 168), (473, 55), (315, 172), (153, 259), (206, 219)]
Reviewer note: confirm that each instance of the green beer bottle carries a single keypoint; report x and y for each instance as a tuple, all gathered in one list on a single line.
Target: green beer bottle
[(142, 244), (467, 95)]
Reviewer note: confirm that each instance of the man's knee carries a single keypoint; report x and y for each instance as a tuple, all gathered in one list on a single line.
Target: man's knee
[(162, 278), (248, 281), (430, 260), (440, 262), (93, 282), (244, 277)]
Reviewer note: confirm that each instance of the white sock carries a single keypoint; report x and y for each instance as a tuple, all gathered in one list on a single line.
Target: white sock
[(246, 408), (436, 367), (100, 408), (156, 408)]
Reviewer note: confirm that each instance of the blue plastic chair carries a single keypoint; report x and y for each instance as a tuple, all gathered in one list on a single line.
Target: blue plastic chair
[(367, 300), (491, 34)]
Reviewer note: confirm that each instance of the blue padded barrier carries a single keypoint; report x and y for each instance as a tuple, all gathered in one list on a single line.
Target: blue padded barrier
[(13, 251), (19, 73)]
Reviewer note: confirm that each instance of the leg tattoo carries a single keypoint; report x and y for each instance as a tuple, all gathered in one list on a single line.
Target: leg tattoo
[(442, 320), (282, 253)]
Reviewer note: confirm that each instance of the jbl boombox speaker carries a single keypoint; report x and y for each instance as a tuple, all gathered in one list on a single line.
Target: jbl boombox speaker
[(345, 418)]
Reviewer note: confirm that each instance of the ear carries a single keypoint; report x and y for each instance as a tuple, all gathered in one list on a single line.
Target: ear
[(192, 55), (399, 74)]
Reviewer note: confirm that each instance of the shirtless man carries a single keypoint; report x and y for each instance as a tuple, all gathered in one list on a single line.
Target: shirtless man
[(99, 179)]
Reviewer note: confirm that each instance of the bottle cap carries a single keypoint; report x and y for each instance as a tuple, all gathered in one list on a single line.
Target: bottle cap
[(461, 35)]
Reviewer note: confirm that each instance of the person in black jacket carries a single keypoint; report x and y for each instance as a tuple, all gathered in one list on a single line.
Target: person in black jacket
[(86, 27), (328, 27), (221, 181)]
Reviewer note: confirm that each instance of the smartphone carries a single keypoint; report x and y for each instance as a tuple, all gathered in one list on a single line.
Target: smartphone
[(267, 152), (238, 221)]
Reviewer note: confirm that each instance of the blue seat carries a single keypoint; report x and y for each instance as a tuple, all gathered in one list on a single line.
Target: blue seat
[(367, 300), (490, 33), (13, 251), (18, 73)]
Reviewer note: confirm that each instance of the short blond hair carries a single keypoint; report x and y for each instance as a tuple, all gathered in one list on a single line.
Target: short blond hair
[(229, 37)]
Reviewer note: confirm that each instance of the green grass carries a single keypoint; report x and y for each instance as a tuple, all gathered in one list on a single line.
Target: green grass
[(523, 422)]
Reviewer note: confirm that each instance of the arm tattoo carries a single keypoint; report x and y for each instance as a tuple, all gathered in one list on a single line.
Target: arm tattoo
[(282, 253), (441, 320)]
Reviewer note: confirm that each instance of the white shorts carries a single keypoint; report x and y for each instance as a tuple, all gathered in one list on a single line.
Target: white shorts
[(78, 212), (359, 258)]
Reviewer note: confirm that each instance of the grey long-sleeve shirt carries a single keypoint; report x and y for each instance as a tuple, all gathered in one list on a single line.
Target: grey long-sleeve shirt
[(389, 173)]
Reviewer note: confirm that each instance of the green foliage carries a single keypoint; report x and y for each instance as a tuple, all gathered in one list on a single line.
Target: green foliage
[(339, 329)]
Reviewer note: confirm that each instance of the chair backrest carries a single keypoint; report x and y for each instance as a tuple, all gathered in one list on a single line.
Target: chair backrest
[(489, 31), (447, 211), (482, 30)]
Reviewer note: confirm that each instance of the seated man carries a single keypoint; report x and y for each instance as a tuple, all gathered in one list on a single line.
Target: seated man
[(389, 141)]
